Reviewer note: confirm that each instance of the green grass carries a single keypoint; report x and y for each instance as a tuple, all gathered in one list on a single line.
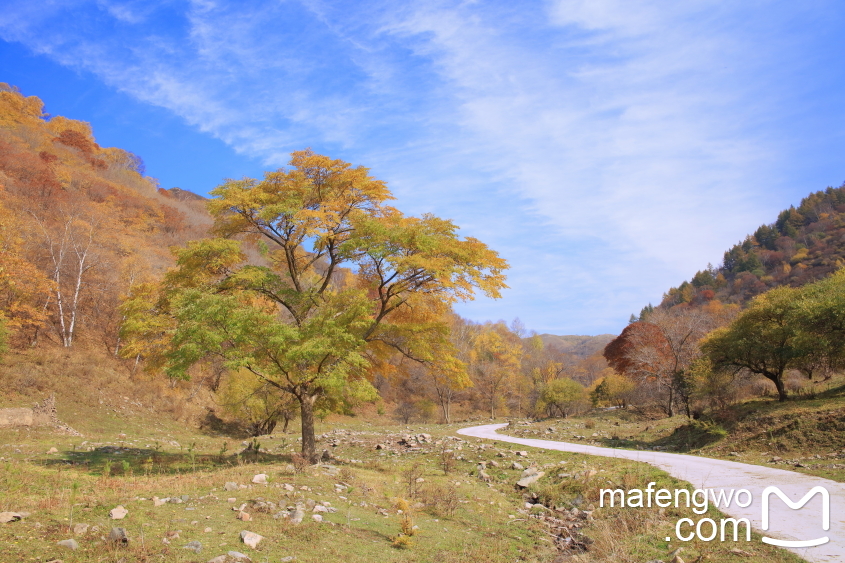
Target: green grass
[(804, 434), (487, 522)]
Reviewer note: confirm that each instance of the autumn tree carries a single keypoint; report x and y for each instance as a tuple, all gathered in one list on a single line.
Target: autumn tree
[(764, 339), (495, 361), (662, 349), (562, 397), (304, 322)]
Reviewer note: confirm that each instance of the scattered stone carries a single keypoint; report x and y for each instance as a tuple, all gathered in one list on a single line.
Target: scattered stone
[(529, 477), (677, 559), (118, 513), (6, 517), (517, 465), (319, 508), (194, 546), (484, 476), (590, 473), (231, 499), (288, 487), (230, 486), (737, 551), (80, 529), (260, 479), (317, 517), (380, 446), (243, 516), (251, 539), (70, 544), (118, 535), (287, 559), (55, 561), (522, 454), (173, 534), (231, 557), (207, 530), (297, 516), (52, 451)]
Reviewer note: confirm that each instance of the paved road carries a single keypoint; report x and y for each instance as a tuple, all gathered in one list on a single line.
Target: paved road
[(785, 524)]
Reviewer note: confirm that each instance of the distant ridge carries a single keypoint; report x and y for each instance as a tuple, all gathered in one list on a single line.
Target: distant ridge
[(577, 345)]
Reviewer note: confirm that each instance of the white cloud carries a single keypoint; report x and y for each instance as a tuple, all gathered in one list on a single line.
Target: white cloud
[(609, 148)]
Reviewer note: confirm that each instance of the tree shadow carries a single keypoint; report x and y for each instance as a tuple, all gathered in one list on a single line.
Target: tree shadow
[(117, 461)]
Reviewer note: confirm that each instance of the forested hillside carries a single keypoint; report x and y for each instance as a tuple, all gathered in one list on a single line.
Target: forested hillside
[(80, 224), (804, 244)]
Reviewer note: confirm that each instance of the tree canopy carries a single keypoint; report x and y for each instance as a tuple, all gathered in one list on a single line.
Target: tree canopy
[(341, 277)]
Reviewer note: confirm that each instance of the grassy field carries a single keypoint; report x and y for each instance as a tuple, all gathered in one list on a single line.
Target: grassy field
[(395, 504), (441, 499), (805, 434)]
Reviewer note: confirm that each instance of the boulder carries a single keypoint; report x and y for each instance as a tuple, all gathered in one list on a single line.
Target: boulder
[(70, 544), (297, 515), (80, 529), (530, 479), (194, 546), (260, 479), (6, 517), (118, 535), (230, 486), (251, 538), (118, 513)]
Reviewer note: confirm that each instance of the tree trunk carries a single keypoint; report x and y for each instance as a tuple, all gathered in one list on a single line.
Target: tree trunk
[(309, 444), (778, 381)]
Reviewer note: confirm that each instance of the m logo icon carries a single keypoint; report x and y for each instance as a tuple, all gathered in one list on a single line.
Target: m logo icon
[(795, 506)]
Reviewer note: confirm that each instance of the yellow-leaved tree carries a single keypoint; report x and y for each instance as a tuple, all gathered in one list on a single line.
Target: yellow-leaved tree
[(342, 270)]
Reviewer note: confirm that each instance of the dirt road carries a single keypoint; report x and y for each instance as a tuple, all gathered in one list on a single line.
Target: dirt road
[(803, 523)]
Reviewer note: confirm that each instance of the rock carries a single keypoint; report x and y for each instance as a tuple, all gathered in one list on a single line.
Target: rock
[(529, 480), (297, 516), (287, 559), (590, 473), (52, 451), (243, 516), (118, 513), (159, 501), (317, 517), (207, 530), (260, 479), (319, 508), (522, 454), (55, 561), (677, 559), (517, 465), (80, 529), (251, 538), (229, 486), (118, 535), (194, 546), (288, 487), (484, 476), (6, 517), (70, 544), (231, 557)]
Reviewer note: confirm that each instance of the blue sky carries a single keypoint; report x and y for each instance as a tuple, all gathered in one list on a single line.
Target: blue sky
[(607, 149)]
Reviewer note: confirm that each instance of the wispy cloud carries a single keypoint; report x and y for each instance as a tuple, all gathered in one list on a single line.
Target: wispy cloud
[(607, 148)]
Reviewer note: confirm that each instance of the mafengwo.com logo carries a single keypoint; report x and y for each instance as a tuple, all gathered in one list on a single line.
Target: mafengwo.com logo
[(726, 529)]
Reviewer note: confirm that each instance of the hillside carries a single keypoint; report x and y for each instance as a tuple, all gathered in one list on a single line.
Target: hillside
[(580, 346), (80, 225), (804, 244)]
